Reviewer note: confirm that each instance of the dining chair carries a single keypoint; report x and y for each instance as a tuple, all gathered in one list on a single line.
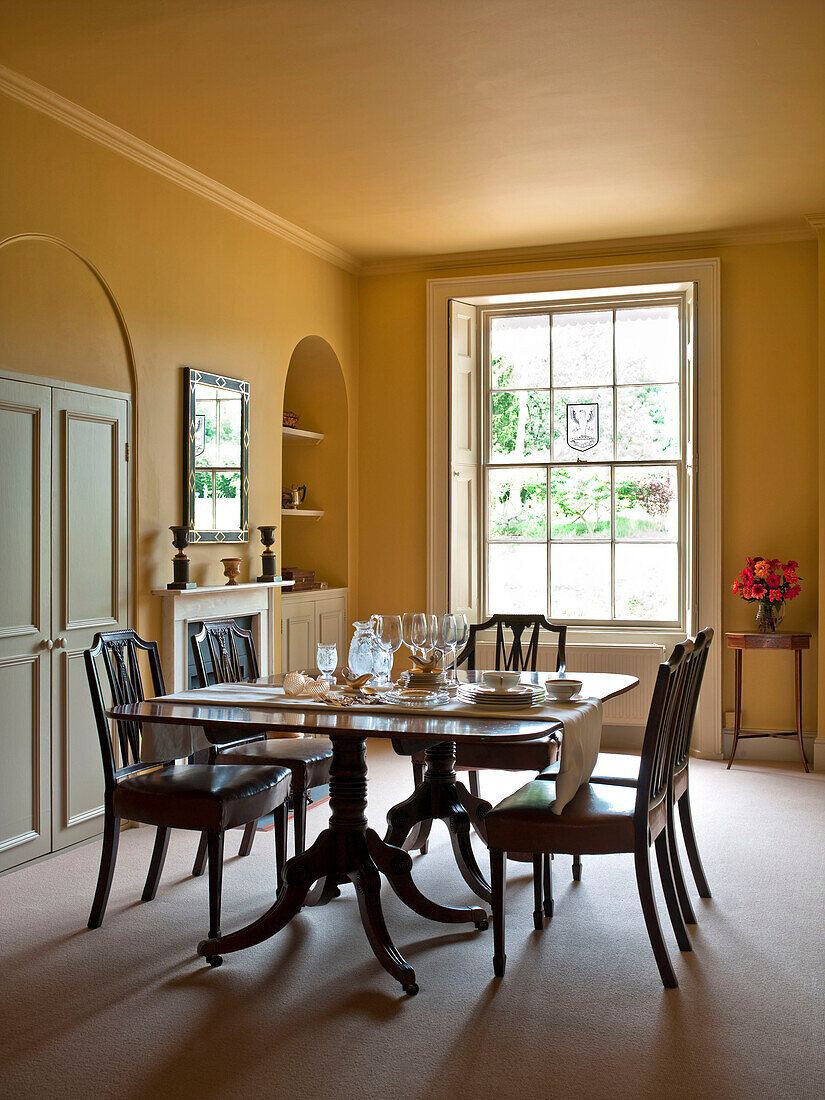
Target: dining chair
[(207, 798), (601, 819), (223, 651), (519, 653), (622, 770)]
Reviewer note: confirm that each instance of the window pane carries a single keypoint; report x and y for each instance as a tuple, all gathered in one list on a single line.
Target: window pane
[(648, 421), (520, 425), (206, 428), (229, 443), (517, 578), (580, 502), (580, 581), (517, 505), (583, 349), (647, 582), (204, 515), (647, 505), (227, 501), (647, 344), (520, 352), (565, 426)]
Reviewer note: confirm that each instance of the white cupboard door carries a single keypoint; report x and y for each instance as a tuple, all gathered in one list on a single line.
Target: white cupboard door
[(25, 627), (298, 637), (331, 624), (90, 586)]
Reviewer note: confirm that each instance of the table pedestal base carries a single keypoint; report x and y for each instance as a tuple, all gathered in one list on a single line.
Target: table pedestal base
[(347, 851), (442, 797)]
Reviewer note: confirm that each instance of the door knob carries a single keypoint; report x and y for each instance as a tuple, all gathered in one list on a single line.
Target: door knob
[(47, 643), (60, 643)]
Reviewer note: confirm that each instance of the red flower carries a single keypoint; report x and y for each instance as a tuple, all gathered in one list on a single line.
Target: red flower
[(773, 580), (792, 565), (735, 587), (775, 595), (747, 576), (793, 592), (774, 563), (790, 576), (750, 563), (758, 591), (747, 592)]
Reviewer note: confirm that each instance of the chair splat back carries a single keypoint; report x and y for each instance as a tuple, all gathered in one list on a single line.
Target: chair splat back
[(221, 638), (697, 660), (520, 654), (660, 732), (118, 650)]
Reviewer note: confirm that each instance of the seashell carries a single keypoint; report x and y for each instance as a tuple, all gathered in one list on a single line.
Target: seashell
[(294, 683), (428, 662), (353, 680), (316, 689)]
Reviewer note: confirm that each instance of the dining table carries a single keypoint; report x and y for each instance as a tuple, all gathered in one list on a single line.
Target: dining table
[(348, 850)]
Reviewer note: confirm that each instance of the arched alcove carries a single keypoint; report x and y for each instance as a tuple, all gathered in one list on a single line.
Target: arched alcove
[(315, 389), (58, 318)]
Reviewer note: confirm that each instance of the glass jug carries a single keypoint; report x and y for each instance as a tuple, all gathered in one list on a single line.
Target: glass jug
[(362, 649)]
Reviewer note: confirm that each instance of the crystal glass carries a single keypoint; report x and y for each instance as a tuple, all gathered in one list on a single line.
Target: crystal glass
[(326, 660), (447, 640), (388, 637), (414, 631), (462, 633)]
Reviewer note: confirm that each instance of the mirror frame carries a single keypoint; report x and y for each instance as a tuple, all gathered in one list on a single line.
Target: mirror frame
[(191, 377)]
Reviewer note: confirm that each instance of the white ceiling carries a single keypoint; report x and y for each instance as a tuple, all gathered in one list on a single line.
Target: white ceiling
[(405, 127)]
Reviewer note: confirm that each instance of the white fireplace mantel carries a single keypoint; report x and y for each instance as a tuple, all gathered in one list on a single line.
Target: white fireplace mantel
[(182, 606)]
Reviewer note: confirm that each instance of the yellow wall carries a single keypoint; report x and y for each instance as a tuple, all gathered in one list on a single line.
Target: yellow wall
[(769, 413), (197, 286)]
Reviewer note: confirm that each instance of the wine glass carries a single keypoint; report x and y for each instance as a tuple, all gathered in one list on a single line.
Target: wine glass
[(414, 631), (462, 631), (447, 638), (388, 635), (326, 660)]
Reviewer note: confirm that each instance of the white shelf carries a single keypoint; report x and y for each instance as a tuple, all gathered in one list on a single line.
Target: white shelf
[(298, 435), (310, 513), (209, 589)]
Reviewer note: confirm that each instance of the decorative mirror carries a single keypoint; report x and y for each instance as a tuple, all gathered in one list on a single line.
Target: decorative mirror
[(216, 469)]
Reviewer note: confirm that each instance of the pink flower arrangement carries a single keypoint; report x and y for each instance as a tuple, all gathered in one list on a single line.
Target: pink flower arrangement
[(768, 579)]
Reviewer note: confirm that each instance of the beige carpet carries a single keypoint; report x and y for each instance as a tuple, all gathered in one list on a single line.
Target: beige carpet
[(128, 1012)]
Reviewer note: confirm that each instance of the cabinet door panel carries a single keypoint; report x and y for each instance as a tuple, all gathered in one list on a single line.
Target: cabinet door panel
[(331, 624), (299, 639), (90, 586), (25, 443)]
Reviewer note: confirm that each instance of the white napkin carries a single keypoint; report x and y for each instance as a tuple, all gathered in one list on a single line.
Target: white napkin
[(580, 745)]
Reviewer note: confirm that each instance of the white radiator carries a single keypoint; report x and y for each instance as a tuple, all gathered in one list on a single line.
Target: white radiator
[(631, 660)]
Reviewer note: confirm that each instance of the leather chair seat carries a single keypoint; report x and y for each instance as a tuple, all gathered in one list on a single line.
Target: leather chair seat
[(207, 797), (308, 758), (510, 756), (598, 820), (616, 768)]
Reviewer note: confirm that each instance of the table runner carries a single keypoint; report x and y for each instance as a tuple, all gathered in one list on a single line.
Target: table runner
[(581, 719)]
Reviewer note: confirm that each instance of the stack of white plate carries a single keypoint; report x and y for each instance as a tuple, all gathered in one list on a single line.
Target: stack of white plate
[(523, 695), (416, 677)]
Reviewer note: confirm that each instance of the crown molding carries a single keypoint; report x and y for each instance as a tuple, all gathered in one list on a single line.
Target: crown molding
[(816, 221), (112, 137), (622, 246)]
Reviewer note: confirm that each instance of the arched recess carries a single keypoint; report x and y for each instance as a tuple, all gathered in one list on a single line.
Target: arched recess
[(60, 320), (315, 389)]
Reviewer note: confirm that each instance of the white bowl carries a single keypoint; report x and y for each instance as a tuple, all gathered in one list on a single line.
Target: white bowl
[(562, 689), (501, 679)]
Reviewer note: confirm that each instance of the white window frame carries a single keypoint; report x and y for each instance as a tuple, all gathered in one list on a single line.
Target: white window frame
[(488, 290), (683, 465)]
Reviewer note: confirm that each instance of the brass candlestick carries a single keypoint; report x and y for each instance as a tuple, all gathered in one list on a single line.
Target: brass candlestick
[(180, 562), (268, 556)]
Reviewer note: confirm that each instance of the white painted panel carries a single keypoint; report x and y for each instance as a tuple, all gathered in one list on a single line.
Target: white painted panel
[(299, 650), (90, 585), (464, 541), (25, 531), (464, 385), (331, 624)]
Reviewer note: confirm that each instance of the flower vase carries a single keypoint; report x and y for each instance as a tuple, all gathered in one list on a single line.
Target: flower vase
[(769, 615)]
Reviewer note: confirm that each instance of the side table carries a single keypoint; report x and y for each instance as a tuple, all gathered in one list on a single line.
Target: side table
[(778, 641)]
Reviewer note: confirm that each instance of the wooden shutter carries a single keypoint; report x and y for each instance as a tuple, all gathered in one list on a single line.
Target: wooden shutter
[(465, 460)]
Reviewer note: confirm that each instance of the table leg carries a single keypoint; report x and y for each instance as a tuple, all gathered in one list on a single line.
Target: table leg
[(798, 701), (737, 701), (441, 797), (347, 850)]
